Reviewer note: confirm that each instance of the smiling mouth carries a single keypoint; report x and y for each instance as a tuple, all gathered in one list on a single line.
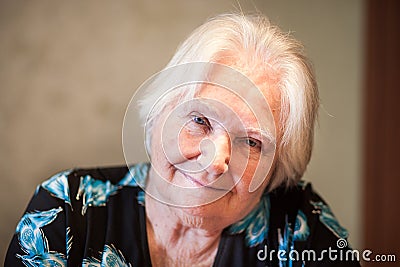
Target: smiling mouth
[(199, 184)]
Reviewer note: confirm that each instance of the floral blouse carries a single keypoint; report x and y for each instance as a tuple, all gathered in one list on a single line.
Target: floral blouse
[(96, 217)]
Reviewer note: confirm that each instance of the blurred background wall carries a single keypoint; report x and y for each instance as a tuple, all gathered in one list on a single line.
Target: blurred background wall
[(69, 69)]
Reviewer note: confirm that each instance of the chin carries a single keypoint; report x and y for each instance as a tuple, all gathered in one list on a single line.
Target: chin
[(211, 210), (205, 217)]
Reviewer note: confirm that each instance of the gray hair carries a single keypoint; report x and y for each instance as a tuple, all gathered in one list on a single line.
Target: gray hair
[(272, 50)]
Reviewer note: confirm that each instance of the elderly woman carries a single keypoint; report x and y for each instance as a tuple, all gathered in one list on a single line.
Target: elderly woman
[(229, 130)]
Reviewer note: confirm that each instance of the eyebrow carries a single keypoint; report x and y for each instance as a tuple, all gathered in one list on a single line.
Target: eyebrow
[(208, 108), (266, 134)]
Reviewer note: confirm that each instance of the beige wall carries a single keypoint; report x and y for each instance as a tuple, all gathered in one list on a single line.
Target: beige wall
[(68, 70)]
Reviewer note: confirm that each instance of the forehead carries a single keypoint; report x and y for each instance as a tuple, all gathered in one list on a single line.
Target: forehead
[(249, 104), (260, 73), (254, 83)]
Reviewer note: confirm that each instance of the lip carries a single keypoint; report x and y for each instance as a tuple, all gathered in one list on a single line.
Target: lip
[(199, 183)]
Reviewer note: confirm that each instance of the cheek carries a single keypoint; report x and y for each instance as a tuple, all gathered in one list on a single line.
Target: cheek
[(178, 143), (189, 144), (243, 166), (251, 175)]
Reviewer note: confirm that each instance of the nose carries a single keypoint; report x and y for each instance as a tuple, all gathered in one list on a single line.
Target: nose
[(216, 153)]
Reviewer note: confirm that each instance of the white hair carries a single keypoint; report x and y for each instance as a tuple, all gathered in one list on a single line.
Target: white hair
[(254, 40)]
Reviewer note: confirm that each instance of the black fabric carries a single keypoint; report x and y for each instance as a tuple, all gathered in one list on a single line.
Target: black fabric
[(121, 222)]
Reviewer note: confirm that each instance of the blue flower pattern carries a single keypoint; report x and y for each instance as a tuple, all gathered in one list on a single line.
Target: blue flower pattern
[(136, 176), (33, 241), (286, 239), (57, 186), (68, 240), (328, 219), (111, 257), (286, 243), (140, 198), (96, 193), (255, 224), (301, 229)]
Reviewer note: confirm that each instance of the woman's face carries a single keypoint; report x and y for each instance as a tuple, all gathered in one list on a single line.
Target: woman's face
[(211, 156)]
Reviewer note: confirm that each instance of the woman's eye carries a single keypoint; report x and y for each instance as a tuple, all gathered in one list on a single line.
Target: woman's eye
[(252, 143), (200, 120)]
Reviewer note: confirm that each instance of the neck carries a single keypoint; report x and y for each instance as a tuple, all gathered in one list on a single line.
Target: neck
[(178, 239)]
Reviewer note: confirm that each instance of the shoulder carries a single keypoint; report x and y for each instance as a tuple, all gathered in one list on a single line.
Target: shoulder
[(294, 222), (303, 204), (67, 208), (314, 206), (93, 186), (303, 201), (309, 225)]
